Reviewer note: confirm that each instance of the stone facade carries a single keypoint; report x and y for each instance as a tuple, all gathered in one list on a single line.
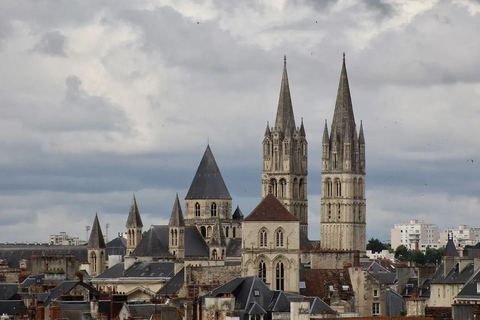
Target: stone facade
[(285, 159), (343, 216)]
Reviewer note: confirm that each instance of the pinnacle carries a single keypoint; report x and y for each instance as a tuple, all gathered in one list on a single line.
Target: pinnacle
[(176, 218), (285, 120)]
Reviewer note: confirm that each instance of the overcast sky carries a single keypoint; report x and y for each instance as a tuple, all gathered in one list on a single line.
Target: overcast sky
[(103, 99)]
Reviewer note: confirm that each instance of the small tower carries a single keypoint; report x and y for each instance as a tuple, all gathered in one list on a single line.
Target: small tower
[(176, 228), (285, 158), (217, 243), (343, 216), (96, 249), (134, 227)]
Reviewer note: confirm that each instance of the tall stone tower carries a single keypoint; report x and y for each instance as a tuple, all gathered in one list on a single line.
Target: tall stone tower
[(343, 217), (96, 249), (285, 158), (134, 227)]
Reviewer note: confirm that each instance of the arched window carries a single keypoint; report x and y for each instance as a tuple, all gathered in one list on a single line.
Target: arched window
[(203, 231), (355, 188), (209, 232), (263, 238), (335, 161), (213, 210), (214, 254), (129, 238), (234, 232), (329, 187), (280, 276), (283, 188), (176, 237), (295, 188), (197, 209), (286, 147), (272, 189), (359, 212), (301, 189), (227, 233), (338, 188), (171, 237), (93, 257), (360, 189), (262, 271), (279, 238), (267, 148)]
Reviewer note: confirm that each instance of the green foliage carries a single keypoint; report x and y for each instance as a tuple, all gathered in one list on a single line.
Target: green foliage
[(376, 245), (432, 256)]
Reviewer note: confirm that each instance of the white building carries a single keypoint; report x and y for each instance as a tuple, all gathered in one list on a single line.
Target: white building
[(416, 235), (463, 236), (63, 239)]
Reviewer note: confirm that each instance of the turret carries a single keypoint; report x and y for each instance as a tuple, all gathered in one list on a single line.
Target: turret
[(134, 227), (217, 243), (325, 147), (96, 249), (176, 228), (361, 142)]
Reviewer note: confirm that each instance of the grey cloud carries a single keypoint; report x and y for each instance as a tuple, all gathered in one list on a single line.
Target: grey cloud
[(52, 43), (384, 8)]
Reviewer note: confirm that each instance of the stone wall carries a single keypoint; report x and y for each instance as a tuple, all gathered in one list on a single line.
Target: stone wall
[(331, 259), (208, 275)]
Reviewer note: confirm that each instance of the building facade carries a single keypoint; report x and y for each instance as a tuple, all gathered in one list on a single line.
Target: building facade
[(343, 206), (415, 235), (285, 158), (462, 236)]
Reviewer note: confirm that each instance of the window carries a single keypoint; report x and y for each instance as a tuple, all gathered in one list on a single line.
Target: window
[(375, 309), (214, 254), (280, 276), (329, 211), (197, 209), (304, 150), (203, 231), (283, 188), (279, 237), (93, 256), (338, 210), (267, 148), (213, 210), (234, 232), (262, 271), (263, 238), (227, 229), (375, 293)]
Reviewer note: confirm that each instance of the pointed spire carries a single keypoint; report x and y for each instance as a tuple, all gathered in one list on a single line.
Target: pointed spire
[(325, 139), (361, 138), (302, 129), (285, 120), (134, 220), (267, 130), (218, 237), (208, 181), (343, 113), (96, 239), (237, 215), (450, 249), (176, 218)]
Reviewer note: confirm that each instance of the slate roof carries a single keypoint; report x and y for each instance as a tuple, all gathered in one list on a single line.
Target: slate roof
[(385, 278), (13, 253), (134, 219), (176, 218), (8, 291), (113, 272), (65, 287), (374, 267), (117, 246), (155, 243), (469, 290), (237, 215), (454, 275), (412, 285), (450, 250), (305, 243), (270, 209), (343, 115), (12, 307), (208, 181), (150, 269), (96, 239), (318, 282), (285, 120), (252, 296), (173, 285), (234, 248)]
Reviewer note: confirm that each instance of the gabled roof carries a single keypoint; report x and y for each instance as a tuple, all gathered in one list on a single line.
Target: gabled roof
[(343, 113), (113, 272), (385, 277), (454, 276), (117, 246), (469, 290), (237, 215), (151, 246), (270, 209), (96, 239), (134, 220), (285, 120), (176, 218), (173, 285), (218, 237), (208, 181), (374, 267)]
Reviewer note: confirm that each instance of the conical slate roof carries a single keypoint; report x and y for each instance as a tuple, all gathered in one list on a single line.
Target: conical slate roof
[(450, 250), (96, 236), (208, 181), (361, 138), (285, 120), (134, 220), (270, 209), (218, 237), (151, 246), (325, 139), (176, 218), (343, 113), (237, 215)]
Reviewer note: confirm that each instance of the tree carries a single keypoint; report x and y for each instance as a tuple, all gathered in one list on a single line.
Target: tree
[(417, 256), (375, 245), (434, 255), (402, 253)]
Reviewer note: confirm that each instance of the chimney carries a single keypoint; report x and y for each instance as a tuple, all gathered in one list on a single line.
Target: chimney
[(54, 311)]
